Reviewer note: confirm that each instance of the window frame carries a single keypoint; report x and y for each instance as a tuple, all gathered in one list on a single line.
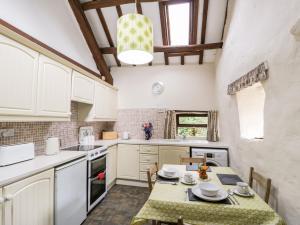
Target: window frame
[(191, 114)]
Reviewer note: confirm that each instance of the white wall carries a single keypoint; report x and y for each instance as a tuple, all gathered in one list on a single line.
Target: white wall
[(52, 22), (188, 87), (259, 31)]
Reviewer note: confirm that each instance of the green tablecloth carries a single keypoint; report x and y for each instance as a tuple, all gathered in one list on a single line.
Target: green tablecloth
[(167, 202)]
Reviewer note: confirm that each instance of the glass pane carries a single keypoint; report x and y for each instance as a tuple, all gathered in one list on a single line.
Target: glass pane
[(192, 120), (192, 131), (179, 15)]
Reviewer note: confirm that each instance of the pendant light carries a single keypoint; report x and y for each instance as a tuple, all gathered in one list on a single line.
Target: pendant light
[(134, 39)]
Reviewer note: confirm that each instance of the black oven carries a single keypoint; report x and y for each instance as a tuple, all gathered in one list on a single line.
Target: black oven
[(96, 181)]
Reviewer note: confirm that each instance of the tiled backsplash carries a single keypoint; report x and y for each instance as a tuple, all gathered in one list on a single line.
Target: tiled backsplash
[(131, 120), (38, 132)]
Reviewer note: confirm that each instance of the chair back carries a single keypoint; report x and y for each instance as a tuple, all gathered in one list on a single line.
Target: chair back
[(193, 160), (262, 181), (151, 171)]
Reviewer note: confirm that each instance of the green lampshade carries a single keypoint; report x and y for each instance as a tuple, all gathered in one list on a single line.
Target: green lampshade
[(135, 39)]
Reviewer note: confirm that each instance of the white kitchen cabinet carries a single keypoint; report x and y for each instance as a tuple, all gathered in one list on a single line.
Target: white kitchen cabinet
[(30, 201), (104, 107), (54, 89), (128, 162), (112, 164), (82, 88), (1, 206), (172, 154), (18, 78)]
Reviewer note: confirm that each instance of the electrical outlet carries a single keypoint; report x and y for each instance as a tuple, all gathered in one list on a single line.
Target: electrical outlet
[(7, 133)]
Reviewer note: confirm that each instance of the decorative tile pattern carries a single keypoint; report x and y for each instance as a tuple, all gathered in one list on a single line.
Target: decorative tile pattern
[(131, 120), (119, 207), (38, 132)]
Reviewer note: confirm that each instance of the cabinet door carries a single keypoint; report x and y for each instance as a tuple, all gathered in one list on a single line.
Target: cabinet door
[(112, 103), (18, 78), (1, 205), (172, 154), (54, 88), (128, 161), (30, 201), (100, 102), (112, 164), (82, 88)]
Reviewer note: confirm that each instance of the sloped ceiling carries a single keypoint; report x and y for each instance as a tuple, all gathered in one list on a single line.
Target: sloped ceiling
[(214, 28)]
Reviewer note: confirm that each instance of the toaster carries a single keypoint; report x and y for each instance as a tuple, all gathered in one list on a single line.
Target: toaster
[(11, 154)]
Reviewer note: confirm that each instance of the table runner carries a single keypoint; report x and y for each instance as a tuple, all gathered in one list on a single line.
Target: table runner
[(167, 202)]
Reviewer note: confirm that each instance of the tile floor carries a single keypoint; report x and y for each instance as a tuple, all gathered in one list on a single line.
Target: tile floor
[(119, 206)]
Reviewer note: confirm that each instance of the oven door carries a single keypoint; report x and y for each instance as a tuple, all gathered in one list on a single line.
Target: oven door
[(96, 187)]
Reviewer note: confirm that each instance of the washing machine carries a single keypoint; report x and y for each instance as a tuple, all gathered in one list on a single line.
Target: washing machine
[(214, 156)]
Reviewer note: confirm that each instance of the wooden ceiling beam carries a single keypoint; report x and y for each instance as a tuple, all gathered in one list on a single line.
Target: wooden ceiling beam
[(110, 3), (119, 10), (107, 33), (174, 49), (139, 7), (90, 40), (203, 28), (164, 28)]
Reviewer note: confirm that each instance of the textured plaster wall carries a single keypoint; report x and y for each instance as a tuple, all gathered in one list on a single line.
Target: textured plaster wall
[(259, 31)]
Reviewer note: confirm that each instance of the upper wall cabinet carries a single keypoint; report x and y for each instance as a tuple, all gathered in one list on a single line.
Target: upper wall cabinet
[(104, 107), (82, 88), (54, 88), (18, 78)]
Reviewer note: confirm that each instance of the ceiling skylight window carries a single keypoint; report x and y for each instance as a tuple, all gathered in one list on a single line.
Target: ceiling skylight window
[(179, 15)]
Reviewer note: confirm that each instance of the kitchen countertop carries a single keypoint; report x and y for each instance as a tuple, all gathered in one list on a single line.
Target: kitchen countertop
[(175, 142), (15, 172)]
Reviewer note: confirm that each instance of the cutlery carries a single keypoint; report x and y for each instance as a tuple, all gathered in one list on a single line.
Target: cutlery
[(167, 182), (231, 194)]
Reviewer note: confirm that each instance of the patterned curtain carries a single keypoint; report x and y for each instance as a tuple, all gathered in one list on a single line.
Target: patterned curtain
[(260, 73), (170, 125), (212, 126)]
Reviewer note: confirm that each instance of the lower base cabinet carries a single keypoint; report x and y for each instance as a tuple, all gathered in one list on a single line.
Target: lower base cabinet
[(111, 165), (128, 162), (30, 201), (172, 154)]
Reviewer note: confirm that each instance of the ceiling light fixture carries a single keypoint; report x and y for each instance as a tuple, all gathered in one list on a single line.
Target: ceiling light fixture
[(134, 39)]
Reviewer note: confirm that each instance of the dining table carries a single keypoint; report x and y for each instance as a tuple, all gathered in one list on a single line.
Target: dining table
[(170, 200)]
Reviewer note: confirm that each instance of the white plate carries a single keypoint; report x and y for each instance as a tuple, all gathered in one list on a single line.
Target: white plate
[(219, 197), (184, 182), (161, 173), (250, 194)]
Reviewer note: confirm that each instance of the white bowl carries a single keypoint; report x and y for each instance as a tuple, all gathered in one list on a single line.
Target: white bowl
[(169, 171), (209, 189)]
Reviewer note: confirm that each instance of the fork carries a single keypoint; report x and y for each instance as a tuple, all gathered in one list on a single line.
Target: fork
[(231, 194)]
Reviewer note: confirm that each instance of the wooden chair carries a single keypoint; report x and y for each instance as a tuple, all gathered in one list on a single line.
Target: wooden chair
[(193, 160), (151, 171), (264, 182)]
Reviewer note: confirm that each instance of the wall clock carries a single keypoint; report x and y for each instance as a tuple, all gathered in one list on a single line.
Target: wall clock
[(157, 88)]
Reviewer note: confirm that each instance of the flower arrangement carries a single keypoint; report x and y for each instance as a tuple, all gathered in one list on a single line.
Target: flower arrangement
[(147, 127)]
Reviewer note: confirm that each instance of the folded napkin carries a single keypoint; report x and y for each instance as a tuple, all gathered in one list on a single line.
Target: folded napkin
[(159, 178), (193, 197), (229, 179)]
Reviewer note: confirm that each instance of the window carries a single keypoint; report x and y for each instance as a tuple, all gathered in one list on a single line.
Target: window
[(250, 103), (192, 125), (179, 20)]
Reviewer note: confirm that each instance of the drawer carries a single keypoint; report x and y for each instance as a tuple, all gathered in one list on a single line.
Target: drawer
[(144, 167), (143, 176), (128, 147), (145, 158), (149, 149), (174, 148)]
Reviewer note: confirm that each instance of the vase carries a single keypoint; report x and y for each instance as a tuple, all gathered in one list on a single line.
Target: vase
[(148, 135)]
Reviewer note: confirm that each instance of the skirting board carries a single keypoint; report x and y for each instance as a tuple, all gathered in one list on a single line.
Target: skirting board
[(132, 183)]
